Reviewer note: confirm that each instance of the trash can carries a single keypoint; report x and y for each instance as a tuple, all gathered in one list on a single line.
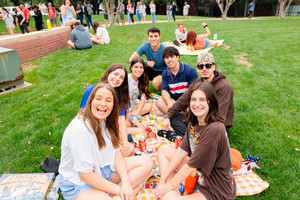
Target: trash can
[(11, 73)]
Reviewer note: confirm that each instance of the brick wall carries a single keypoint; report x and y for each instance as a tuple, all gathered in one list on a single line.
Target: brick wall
[(37, 44)]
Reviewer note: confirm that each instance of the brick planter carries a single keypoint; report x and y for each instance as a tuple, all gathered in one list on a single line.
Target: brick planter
[(37, 44)]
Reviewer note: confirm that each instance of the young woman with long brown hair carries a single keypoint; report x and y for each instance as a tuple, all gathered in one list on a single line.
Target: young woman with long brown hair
[(138, 82), (92, 166), (101, 36), (116, 75), (207, 144)]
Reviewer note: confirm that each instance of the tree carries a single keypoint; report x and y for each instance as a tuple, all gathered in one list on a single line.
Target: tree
[(109, 8), (224, 6), (284, 6)]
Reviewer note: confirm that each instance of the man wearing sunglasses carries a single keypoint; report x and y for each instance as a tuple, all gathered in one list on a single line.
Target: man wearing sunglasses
[(206, 67)]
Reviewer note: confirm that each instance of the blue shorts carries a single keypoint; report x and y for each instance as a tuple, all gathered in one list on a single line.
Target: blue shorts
[(206, 43), (70, 190)]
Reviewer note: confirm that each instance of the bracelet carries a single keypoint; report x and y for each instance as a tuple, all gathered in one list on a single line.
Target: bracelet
[(204, 26)]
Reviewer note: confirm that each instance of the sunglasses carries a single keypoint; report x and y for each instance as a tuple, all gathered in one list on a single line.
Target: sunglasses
[(207, 66)]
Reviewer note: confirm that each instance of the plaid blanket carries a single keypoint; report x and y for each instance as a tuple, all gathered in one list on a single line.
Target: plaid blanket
[(247, 184)]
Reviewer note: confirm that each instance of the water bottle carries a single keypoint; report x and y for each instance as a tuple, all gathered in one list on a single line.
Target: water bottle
[(49, 24), (215, 36), (54, 193)]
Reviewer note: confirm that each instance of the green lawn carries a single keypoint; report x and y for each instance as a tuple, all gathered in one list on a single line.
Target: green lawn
[(267, 97)]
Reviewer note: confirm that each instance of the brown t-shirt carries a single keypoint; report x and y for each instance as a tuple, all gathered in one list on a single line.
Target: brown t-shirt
[(209, 152)]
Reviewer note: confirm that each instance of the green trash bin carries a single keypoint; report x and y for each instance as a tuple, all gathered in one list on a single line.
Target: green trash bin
[(11, 73)]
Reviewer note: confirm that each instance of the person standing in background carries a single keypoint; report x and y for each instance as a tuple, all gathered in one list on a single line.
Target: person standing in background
[(52, 14), (251, 9), (169, 11), (9, 21), (174, 9), (122, 13), (138, 12), (38, 17), (131, 11), (152, 11), (79, 12), (88, 14), (27, 15), (186, 8), (128, 12)]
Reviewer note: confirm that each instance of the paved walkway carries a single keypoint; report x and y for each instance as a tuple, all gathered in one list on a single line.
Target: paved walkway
[(147, 22)]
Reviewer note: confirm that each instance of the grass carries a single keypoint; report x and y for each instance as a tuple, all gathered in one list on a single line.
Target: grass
[(267, 97)]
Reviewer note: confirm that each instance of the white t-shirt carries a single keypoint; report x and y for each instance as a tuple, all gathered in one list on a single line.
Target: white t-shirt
[(133, 91), (142, 9), (102, 32), (80, 151), (181, 36), (152, 7)]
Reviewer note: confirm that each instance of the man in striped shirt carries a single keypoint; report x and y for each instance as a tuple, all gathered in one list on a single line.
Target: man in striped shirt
[(175, 79)]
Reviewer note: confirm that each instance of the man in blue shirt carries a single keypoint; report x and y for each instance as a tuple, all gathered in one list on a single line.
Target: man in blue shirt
[(251, 8), (122, 12), (176, 79), (153, 51)]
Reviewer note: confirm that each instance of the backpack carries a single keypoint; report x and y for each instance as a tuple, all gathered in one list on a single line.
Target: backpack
[(89, 10)]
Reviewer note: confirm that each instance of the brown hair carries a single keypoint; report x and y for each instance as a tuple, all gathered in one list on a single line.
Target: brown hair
[(191, 38), (213, 103), (111, 122), (179, 24), (143, 84), (95, 26), (122, 91)]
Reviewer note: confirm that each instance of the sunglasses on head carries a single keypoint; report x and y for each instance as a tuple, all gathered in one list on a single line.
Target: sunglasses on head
[(207, 66)]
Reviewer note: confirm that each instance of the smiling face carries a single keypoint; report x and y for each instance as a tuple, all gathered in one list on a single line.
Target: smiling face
[(172, 61), (154, 38), (181, 27), (67, 2), (137, 70), (116, 78), (207, 74), (199, 105), (102, 104)]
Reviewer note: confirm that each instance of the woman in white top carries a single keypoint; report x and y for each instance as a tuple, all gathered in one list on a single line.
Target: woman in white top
[(142, 8), (68, 12), (92, 166), (138, 83), (102, 36), (186, 8), (181, 34)]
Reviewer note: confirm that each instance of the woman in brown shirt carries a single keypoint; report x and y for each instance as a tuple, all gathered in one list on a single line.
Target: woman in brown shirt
[(205, 149)]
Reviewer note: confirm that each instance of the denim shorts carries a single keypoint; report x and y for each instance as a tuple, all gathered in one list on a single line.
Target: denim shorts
[(70, 190), (206, 43)]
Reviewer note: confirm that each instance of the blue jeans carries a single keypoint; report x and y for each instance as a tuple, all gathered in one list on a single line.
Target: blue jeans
[(169, 16), (153, 17), (89, 20), (129, 19)]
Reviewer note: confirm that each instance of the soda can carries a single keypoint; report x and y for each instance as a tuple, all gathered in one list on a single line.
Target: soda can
[(215, 36), (142, 144), (138, 153), (178, 141)]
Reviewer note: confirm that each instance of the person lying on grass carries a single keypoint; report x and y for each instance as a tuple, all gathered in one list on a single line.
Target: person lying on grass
[(101, 36), (92, 165), (138, 82), (194, 42), (204, 149), (116, 76)]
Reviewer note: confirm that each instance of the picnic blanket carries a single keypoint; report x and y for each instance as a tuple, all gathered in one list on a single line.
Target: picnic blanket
[(184, 51), (248, 183)]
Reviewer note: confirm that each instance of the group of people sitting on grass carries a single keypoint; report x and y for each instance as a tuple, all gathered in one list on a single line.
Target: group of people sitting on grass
[(189, 38), (96, 155), (81, 38)]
